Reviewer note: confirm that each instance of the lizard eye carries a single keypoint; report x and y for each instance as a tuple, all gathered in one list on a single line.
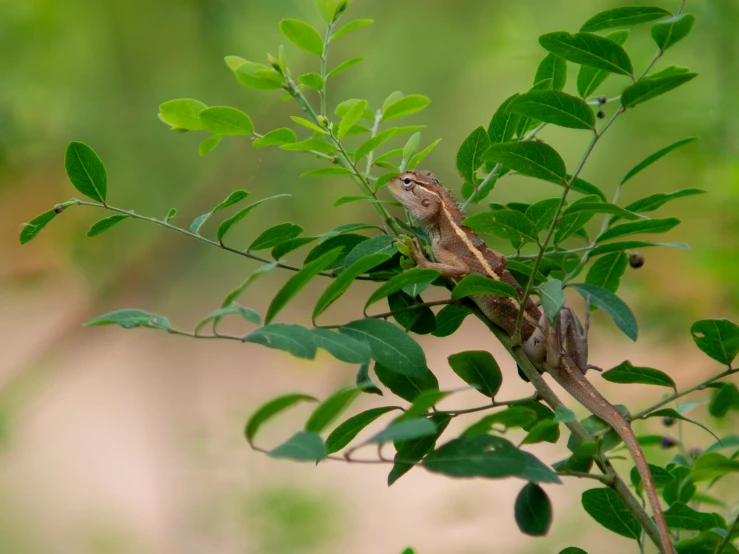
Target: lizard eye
[(407, 181)]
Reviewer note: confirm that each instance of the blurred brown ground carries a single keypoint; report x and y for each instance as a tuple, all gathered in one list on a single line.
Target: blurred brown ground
[(117, 441)]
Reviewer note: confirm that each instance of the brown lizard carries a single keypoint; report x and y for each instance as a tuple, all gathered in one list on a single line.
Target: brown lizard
[(559, 350)]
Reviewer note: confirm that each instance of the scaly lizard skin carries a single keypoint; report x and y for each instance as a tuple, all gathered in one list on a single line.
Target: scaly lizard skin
[(558, 350)]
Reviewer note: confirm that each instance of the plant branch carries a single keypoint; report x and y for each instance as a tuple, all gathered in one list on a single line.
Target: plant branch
[(201, 238), (412, 308), (733, 529), (324, 57), (645, 412), (373, 134), (493, 404)]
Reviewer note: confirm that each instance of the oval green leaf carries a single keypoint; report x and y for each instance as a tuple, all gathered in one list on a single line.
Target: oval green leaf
[(270, 409), (534, 159), (348, 430), (649, 88), (299, 280), (130, 319), (183, 113), (302, 35), (508, 224), (623, 17), (351, 117), (86, 171), (551, 73), (104, 224), (479, 369), (469, 155), (666, 33), (407, 105), (555, 107), (718, 338), (275, 235), (611, 304), (588, 49), (225, 120), (590, 78), (474, 284), (649, 160), (331, 408), (342, 347), (225, 227), (627, 374), (301, 447), (295, 339), (414, 276), (533, 511), (351, 26), (606, 507)]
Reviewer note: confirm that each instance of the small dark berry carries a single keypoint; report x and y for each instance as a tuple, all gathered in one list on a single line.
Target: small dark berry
[(668, 421), (602, 99), (601, 114), (695, 452), (636, 260), (58, 208), (668, 442)]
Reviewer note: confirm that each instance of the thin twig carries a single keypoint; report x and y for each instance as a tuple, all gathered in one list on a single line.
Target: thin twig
[(494, 404)]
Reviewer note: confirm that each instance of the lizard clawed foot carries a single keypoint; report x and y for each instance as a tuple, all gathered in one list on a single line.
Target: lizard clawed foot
[(595, 367)]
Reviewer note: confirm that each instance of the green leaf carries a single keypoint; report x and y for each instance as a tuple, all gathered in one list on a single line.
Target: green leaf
[(208, 145), (331, 408), (545, 430), (309, 125), (572, 550), (343, 67), (588, 49), (302, 447), (600, 208), (225, 120), (507, 224), (372, 143), (364, 382), (649, 160), (343, 108), (611, 304), (606, 272), (646, 226), (129, 319), (707, 542), (682, 488), (627, 373), (295, 339), (409, 452), (668, 32), (478, 456), (469, 155), (682, 516), (339, 285), (270, 409), (479, 369), (379, 243), (327, 9), (342, 347), (475, 284), (719, 338), (674, 414), (542, 213), (407, 387), (551, 73), (712, 466), (503, 123), (623, 17), (258, 76), (299, 280), (86, 171), (276, 137), (405, 430), (302, 35), (606, 507), (418, 158), (729, 441), (552, 298), (725, 398), (104, 224), (534, 159), (277, 234), (515, 416), (590, 78), (390, 346), (234, 62), (351, 26), (183, 113), (288, 246), (533, 511), (583, 187), (33, 227), (563, 415), (225, 227), (410, 146), (646, 89), (402, 107), (449, 319), (631, 245), (234, 294), (420, 320), (413, 276), (312, 80), (348, 430), (346, 242), (232, 309), (556, 107), (234, 198), (655, 201), (351, 117)]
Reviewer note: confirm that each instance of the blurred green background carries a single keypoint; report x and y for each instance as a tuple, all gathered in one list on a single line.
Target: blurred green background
[(114, 442)]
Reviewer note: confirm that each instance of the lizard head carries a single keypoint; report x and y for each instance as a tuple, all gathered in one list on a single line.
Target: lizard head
[(419, 192)]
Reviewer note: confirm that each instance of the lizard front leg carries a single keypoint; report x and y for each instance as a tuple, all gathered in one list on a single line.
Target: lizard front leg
[(449, 265)]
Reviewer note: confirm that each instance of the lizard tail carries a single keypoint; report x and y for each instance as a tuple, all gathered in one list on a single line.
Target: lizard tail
[(572, 380)]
